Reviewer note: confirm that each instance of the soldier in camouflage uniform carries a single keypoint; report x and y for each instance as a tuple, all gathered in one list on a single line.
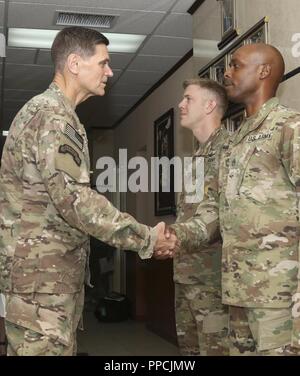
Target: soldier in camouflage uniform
[(257, 211), (48, 209), (201, 319), (2, 326)]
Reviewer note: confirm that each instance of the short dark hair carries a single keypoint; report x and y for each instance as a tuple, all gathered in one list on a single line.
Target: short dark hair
[(212, 86), (75, 39)]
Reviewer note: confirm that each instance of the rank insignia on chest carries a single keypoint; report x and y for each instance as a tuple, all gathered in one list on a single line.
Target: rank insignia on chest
[(259, 136), (74, 136)]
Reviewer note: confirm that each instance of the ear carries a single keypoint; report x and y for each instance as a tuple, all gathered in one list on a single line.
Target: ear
[(265, 71), (73, 63), (210, 105)]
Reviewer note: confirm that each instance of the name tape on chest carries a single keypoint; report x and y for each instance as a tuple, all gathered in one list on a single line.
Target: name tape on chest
[(259, 136), (74, 136)]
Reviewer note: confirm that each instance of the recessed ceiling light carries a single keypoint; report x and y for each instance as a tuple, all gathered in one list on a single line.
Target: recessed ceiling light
[(39, 38)]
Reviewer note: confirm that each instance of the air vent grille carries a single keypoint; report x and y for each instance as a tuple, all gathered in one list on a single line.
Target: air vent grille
[(84, 19)]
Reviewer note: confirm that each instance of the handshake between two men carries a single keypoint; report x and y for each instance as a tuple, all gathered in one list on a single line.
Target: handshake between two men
[(167, 243)]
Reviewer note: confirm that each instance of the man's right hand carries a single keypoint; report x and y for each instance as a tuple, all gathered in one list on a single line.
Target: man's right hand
[(166, 242)]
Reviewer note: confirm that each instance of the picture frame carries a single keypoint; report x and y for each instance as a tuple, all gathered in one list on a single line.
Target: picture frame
[(258, 36), (205, 74), (228, 22), (216, 67), (218, 70), (164, 147)]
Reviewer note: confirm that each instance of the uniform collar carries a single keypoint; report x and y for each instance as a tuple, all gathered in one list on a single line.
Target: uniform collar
[(253, 122), (59, 93), (203, 148)]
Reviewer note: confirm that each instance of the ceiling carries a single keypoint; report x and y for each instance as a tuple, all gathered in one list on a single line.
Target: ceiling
[(27, 72)]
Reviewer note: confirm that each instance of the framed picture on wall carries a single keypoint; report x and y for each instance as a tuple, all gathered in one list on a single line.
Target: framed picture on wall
[(218, 70), (259, 36), (205, 74), (164, 147), (228, 22)]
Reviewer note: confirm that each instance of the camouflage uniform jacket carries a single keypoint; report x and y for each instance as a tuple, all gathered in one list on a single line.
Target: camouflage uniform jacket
[(201, 267), (46, 204), (259, 189)]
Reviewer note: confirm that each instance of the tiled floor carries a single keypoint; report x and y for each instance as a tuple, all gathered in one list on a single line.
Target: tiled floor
[(128, 338)]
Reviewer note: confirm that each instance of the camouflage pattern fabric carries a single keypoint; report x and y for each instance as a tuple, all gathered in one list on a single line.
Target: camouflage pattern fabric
[(258, 214), (47, 206), (197, 275), (201, 320), (202, 267), (261, 331), (43, 324), (48, 209)]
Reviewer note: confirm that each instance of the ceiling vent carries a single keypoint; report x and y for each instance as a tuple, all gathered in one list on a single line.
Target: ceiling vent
[(85, 19)]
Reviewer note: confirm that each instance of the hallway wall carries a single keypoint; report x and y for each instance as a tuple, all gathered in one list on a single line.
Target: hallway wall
[(136, 133), (283, 24)]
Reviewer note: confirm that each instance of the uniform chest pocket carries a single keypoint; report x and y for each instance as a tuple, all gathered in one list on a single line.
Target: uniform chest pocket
[(259, 176), (237, 165)]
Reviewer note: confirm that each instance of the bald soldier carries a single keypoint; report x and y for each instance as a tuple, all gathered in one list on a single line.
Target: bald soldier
[(257, 211), (48, 209)]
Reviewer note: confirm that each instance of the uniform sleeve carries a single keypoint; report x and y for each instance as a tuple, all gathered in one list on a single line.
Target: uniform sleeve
[(290, 149), (201, 229), (179, 209), (2, 306), (62, 161)]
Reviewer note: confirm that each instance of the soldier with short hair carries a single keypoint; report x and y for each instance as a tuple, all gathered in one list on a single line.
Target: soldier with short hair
[(201, 318), (257, 211), (48, 208)]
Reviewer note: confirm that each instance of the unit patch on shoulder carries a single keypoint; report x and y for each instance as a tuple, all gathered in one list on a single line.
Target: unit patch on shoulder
[(67, 149), (74, 136)]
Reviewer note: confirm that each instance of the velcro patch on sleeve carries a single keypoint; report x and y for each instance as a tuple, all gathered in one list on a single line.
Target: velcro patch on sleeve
[(67, 149), (74, 136)]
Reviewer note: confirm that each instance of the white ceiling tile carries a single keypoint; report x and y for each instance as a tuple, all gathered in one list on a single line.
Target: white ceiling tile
[(44, 58), (153, 63), (148, 5), (183, 6), (30, 77), (42, 16), (129, 89), (176, 25), (125, 100), (137, 22), (140, 77), (115, 77), (20, 55), (119, 61), (167, 46)]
